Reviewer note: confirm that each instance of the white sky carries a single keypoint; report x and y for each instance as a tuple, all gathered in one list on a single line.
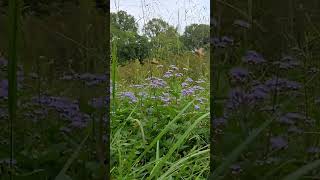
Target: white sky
[(178, 13)]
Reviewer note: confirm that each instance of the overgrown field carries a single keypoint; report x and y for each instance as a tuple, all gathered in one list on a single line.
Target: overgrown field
[(160, 120)]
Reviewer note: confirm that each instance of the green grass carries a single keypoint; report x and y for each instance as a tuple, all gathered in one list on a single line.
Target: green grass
[(152, 140)]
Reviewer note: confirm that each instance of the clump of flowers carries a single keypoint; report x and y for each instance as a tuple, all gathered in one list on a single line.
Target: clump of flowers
[(67, 108), (252, 57), (130, 95), (278, 142), (156, 82)]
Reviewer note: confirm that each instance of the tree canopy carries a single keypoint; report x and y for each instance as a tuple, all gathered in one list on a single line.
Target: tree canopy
[(158, 38)]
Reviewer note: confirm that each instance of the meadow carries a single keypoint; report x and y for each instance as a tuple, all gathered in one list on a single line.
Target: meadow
[(160, 120), (264, 78)]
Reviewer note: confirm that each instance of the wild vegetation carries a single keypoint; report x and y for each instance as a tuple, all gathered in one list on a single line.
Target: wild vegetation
[(57, 129), (160, 100), (266, 90)]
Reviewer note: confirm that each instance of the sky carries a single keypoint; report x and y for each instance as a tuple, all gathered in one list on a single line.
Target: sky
[(178, 13)]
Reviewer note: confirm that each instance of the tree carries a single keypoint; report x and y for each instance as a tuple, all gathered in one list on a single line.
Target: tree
[(196, 36), (166, 43), (156, 26), (123, 21), (130, 45)]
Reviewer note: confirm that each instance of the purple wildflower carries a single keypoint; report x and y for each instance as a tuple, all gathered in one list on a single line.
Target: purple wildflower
[(239, 74), (129, 95), (157, 82), (237, 98), (168, 74), (165, 98), (216, 42), (197, 107), (187, 92), (313, 150), (259, 92), (282, 84), (278, 142), (252, 57), (221, 121), (189, 80), (173, 67), (294, 129), (235, 169), (4, 89), (67, 108), (3, 62), (227, 39), (184, 84)]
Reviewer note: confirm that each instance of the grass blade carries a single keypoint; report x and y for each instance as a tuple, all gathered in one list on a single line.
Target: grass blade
[(176, 165), (158, 166), (164, 131), (303, 170), (114, 72), (72, 158), (237, 151)]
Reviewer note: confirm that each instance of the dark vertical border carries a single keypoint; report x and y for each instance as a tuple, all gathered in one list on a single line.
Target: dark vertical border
[(108, 89), (212, 86)]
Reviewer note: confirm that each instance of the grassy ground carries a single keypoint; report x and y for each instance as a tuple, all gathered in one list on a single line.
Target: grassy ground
[(160, 124)]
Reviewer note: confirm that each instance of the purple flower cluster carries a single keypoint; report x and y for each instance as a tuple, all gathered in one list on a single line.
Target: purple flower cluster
[(3, 89), (252, 57), (239, 74), (278, 142), (259, 92), (237, 98), (174, 67), (291, 118), (3, 62), (313, 150), (168, 74), (88, 78), (130, 95), (282, 84), (221, 121), (156, 82), (191, 90), (68, 109), (222, 42), (165, 98)]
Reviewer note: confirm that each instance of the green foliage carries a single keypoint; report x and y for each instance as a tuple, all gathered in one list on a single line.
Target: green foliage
[(196, 36), (159, 39), (123, 21), (156, 26), (166, 43), (130, 45)]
